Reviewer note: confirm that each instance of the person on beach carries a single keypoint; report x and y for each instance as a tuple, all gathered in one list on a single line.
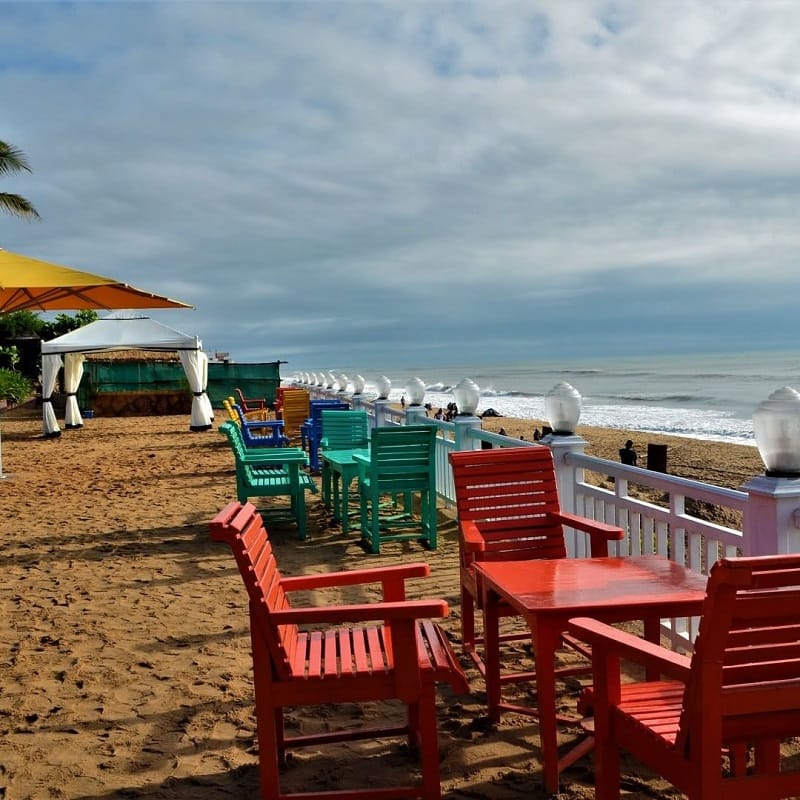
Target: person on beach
[(627, 455)]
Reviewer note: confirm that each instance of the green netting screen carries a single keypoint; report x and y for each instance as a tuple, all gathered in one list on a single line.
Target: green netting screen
[(255, 380)]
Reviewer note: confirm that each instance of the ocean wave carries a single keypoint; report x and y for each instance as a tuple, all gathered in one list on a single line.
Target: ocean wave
[(660, 398)]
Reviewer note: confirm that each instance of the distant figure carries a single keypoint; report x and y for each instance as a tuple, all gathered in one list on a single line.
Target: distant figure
[(502, 432), (627, 455), (439, 414), (537, 434), (402, 401)]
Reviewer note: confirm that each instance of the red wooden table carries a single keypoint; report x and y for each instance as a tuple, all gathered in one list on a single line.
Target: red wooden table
[(548, 592)]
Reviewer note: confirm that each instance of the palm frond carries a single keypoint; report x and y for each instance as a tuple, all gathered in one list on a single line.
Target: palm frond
[(12, 159), (18, 206)]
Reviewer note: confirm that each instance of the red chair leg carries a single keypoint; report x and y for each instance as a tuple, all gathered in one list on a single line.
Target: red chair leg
[(429, 744), (467, 621)]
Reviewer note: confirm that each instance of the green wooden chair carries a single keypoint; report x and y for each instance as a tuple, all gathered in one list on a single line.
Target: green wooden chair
[(400, 462), (344, 433)]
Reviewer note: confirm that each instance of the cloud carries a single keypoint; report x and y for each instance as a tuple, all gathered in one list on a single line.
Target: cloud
[(390, 182)]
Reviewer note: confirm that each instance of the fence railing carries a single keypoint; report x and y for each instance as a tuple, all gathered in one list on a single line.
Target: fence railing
[(661, 514)]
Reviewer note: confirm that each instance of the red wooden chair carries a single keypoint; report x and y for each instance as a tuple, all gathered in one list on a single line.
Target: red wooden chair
[(249, 404), (739, 693), (402, 657), (508, 509)]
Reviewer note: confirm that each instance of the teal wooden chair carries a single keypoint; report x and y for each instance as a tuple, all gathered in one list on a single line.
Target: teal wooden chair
[(344, 433), (400, 463)]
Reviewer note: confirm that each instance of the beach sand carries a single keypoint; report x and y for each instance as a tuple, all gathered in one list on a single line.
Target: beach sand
[(125, 667)]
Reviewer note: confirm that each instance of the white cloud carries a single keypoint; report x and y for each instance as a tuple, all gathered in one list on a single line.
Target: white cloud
[(328, 176)]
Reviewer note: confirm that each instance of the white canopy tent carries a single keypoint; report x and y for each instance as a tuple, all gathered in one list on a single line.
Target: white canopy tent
[(120, 333)]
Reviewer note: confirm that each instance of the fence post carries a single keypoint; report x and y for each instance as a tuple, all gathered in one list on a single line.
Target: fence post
[(772, 516), (464, 424), (566, 476), (414, 414), (380, 412)]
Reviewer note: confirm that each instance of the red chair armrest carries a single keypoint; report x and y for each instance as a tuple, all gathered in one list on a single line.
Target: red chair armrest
[(364, 612), (472, 540), (607, 640), (600, 533), (391, 578)]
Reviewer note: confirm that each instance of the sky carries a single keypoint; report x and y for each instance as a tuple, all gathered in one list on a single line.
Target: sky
[(413, 183)]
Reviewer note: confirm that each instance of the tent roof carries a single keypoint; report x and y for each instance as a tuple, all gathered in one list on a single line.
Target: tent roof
[(114, 333)]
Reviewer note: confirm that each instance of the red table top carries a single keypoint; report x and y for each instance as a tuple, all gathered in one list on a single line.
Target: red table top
[(582, 585)]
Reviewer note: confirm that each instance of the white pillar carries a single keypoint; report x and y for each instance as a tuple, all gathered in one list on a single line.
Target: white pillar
[(772, 516), (380, 412), (566, 476), (415, 415), (463, 424)]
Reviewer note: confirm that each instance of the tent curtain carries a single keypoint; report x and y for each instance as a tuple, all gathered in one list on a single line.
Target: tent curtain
[(51, 364), (73, 372), (195, 365)]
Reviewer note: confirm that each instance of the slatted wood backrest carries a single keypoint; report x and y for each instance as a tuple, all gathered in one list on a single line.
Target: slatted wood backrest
[(242, 528), (509, 494), (234, 435), (228, 405), (745, 672), (243, 401), (295, 409), (402, 458), (318, 406), (345, 430)]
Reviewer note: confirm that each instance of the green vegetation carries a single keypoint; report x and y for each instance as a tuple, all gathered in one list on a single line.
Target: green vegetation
[(14, 388)]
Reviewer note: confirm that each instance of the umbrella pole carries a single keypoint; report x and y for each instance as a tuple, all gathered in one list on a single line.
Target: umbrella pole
[(2, 474)]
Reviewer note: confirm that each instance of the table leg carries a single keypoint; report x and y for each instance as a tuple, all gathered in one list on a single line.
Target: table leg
[(652, 632), (345, 501), (545, 643), (491, 656)]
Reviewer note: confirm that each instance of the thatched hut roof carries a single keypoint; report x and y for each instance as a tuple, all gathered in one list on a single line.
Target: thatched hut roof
[(133, 355)]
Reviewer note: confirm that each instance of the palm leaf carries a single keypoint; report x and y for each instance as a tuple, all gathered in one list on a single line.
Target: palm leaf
[(18, 206)]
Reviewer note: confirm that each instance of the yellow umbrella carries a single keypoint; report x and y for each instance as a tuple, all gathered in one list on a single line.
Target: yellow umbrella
[(41, 286)]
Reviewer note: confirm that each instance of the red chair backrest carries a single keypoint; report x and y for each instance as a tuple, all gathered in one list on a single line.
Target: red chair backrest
[(510, 493), (242, 528), (746, 662)]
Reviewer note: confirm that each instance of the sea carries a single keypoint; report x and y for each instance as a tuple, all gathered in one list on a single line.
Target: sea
[(710, 397)]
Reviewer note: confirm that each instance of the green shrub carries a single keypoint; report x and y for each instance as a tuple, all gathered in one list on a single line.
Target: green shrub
[(14, 388)]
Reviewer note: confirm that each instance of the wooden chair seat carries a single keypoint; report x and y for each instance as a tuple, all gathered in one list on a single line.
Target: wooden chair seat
[(361, 652)]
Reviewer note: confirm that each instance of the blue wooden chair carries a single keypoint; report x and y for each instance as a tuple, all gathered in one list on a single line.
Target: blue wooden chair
[(257, 433), (401, 462)]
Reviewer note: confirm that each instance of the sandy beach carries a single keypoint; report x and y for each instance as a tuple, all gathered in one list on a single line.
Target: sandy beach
[(125, 667)]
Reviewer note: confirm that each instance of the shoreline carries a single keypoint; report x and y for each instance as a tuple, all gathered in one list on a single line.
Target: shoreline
[(721, 463)]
